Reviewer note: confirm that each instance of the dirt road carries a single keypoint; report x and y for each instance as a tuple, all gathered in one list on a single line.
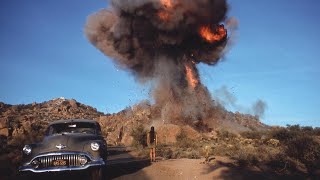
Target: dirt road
[(121, 165)]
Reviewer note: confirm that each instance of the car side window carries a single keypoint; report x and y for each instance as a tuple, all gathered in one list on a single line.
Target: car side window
[(98, 129), (49, 130)]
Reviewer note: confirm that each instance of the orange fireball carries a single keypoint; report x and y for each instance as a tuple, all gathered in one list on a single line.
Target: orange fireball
[(191, 77), (167, 3), (164, 15), (212, 36)]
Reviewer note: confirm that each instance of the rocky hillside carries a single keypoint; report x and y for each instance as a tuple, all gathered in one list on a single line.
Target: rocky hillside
[(239, 136), (145, 114), (26, 123), (30, 120)]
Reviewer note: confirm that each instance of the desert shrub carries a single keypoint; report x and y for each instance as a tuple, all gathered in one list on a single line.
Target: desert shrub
[(300, 145), (299, 142), (164, 151), (183, 141), (224, 149), (292, 132), (224, 134), (283, 164), (305, 149), (246, 155), (252, 134), (185, 153), (177, 153), (283, 135), (139, 135), (193, 154)]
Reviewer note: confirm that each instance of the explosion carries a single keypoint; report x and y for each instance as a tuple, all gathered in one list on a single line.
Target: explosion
[(166, 3), (164, 15), (211, 37), (163, 41), (191, 78)]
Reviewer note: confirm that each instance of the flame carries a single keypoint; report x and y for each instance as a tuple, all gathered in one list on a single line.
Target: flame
[(212, 36), (167, 3), (191, 78), (164, 15)]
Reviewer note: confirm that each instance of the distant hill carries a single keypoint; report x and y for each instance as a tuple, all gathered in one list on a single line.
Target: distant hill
[(24, 119), (27, 122), (241, 137)]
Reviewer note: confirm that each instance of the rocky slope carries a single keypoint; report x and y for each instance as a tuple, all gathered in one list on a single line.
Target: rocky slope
[(26, 123), (23, 120)]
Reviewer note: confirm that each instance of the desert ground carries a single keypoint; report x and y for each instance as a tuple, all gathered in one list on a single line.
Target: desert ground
[(123, 165)]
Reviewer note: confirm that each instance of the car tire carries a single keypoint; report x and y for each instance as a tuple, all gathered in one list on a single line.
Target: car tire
[(97, 174)]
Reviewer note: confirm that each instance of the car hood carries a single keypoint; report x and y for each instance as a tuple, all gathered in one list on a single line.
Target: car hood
[(67, 142)]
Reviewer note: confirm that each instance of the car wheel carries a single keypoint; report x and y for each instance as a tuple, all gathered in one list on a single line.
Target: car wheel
[(97, 174)]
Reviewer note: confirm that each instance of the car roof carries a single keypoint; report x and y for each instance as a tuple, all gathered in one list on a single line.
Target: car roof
[(73, 121)]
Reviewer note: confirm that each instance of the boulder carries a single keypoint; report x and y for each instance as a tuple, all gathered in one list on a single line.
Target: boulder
[(167, 133), (273, 142), (191, 132), (73, 103), (127, 139), (4, 132), (3, 123)]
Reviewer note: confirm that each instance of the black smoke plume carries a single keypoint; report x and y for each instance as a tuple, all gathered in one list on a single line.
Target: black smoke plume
[(156, 40)]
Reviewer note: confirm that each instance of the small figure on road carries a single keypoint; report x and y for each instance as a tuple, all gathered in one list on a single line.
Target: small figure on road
[(119, 138), (152, 143), (207, 150)]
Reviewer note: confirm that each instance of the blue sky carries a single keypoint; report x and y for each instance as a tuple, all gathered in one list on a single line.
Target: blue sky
[(44, 54)]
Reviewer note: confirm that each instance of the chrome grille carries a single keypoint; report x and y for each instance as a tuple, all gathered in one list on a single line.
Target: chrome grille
[(47, 161)]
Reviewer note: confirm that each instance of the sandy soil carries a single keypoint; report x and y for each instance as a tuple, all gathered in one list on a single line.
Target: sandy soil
[(193, 169), (124, 166), (183, 169)]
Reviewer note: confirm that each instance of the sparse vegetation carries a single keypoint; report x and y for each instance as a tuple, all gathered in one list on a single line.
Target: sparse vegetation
[(289, 150), (139, 135), (164, 151), (252, 134), (184, 142), (293, 150), (282, 150)]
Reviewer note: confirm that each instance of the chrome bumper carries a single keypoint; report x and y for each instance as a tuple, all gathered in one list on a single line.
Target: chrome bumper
[(92, 163)]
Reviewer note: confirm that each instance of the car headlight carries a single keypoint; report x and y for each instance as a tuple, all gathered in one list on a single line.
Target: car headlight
[(95, 146), (27, 149), (83, 160), (35, 164)]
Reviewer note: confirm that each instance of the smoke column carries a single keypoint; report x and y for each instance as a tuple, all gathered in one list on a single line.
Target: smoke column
[(163, 41)]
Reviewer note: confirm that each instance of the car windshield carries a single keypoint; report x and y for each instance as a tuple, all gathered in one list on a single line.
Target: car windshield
[(63, 128)]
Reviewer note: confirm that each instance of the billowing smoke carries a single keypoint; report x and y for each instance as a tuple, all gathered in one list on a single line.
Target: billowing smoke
[(223, 96), (259, 108), (163, 41)]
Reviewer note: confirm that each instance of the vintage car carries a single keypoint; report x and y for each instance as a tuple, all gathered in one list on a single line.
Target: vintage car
[(68, 145)]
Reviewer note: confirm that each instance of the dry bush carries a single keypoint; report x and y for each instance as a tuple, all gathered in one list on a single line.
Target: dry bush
[(189, 153), (193, 154), (139, 135), (164, 151), (246, 155), (252, 134), (282, 134), (306, 150), (177, 153), (184, 142), (300, 145), (224, 134)]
